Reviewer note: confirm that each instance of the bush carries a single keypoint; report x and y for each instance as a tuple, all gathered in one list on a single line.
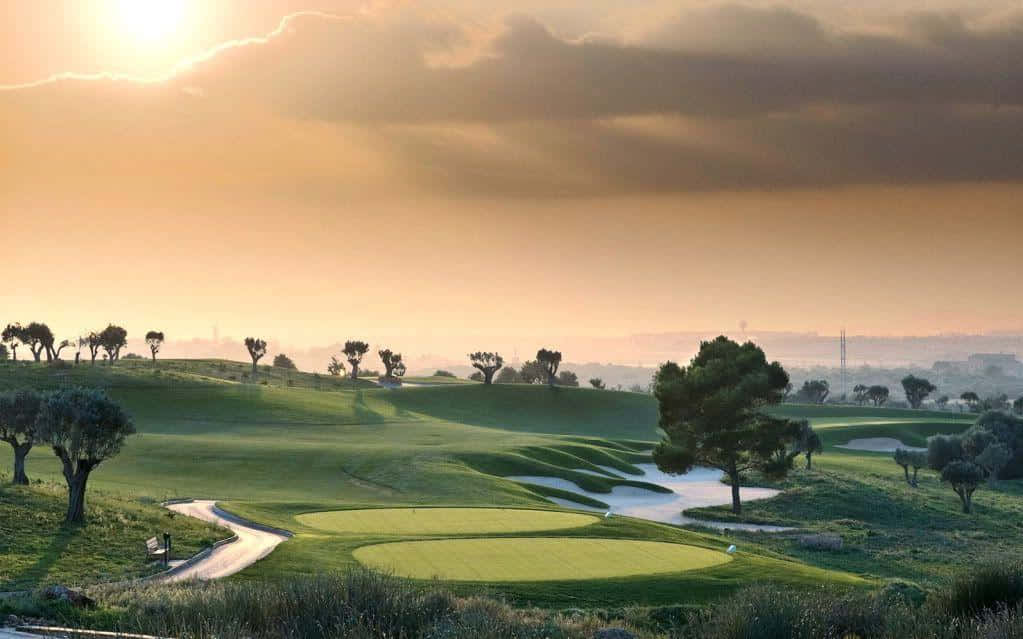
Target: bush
[(443, 373), (823, 541), (283, 361), (987, 588)]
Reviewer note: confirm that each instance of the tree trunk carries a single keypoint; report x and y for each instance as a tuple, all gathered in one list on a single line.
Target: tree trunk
[(254, 360), (488, 376), (905, 469), (20, 452), (78, 358), (154, 354), (36, 353), (915, 484), (76, 497), (733, 476), (809, 456)]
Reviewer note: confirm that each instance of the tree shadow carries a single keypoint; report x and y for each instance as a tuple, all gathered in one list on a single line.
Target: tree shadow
[(34, 575)]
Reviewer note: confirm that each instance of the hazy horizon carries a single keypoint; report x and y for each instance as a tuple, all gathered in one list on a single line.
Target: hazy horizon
[(313, 170)]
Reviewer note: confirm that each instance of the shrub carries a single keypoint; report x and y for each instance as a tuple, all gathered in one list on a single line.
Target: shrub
[(987, 588), (443, 373), (822, 541)]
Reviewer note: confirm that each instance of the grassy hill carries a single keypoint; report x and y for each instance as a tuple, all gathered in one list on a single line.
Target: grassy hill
[(276, 450)]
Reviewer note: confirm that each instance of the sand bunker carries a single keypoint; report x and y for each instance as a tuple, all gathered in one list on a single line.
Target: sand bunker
[(877, 445), (700, 488)]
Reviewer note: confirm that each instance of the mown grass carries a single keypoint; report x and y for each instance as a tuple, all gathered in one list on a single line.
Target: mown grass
[(38, 549)]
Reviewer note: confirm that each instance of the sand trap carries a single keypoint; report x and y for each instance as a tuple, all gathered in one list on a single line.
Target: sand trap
[(252, 544), (442, 521), (697, 489), (534, 559), (877, 445)]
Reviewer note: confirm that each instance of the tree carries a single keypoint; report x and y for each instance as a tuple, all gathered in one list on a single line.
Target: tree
[(597, 383), (335, 367), (993, 459), (860, 394), (808, 442), (942, 402), (443, 373), (814, 391), (878, 394), (84, 428), (353, 351), (711, 412), (155, 341), (399, 370), (907, 458), (550, 360), (1017, 406), (54, 351), (390, 360), (568, 378), (917, 389), (37, 336), (532, 372), (964, 477), (19, 411), (487, 364), (4, 354), (257, 349), (971, 398), (283, 361), (12, 335), (476, 377), (113, 338), (508, 375), (95, 343)]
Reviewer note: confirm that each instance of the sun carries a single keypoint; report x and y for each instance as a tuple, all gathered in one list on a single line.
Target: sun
[(149, 23)]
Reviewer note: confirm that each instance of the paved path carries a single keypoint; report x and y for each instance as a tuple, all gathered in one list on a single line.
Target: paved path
[(10, 633), (253, 543)]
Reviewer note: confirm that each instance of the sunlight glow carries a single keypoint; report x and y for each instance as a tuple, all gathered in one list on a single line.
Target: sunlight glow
[(149, 23)]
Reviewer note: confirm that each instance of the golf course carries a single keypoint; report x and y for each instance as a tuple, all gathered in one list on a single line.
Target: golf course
[(413, 482)]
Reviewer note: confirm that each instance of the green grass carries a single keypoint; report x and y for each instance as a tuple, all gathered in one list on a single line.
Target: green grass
[(441, 521), (38, 549), (534, 559), (275, 452)]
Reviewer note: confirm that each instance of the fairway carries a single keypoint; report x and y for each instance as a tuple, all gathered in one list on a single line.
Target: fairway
[(534, 559), (442, 521)]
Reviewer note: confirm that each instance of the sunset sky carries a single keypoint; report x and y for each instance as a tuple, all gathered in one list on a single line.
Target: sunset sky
[(314, 170)]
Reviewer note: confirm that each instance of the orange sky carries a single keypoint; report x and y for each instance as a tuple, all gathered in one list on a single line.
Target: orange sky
[(598, 168)]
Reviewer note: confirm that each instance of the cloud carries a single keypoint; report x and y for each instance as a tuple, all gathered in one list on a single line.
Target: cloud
[(722, 97)]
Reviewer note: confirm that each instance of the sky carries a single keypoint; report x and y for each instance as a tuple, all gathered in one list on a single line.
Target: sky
[(312, 171)]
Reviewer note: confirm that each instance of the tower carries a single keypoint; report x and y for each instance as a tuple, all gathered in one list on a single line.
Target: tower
[(843, 361)]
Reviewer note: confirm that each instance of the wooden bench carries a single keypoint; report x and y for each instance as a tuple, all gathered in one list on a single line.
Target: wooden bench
[(153, 549)]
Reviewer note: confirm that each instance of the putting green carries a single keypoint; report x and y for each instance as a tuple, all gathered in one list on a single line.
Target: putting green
[(534, 559), (443, 521)]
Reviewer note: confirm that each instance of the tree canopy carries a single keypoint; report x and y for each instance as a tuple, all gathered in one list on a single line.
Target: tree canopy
[(711, 412), (917, 389), (283, 361), (814, 391), (84, 428), (487, 364)]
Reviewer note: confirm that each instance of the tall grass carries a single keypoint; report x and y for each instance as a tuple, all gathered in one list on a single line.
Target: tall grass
[(355, 604)]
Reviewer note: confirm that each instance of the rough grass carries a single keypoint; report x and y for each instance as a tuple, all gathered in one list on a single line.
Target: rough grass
[(442, 521), (38, 549)]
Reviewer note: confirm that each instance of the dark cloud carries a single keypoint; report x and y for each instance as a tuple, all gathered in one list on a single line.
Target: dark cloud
[(727, 97)]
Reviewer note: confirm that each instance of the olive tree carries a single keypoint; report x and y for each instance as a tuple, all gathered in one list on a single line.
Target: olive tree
[(113, 338), (487, 364), (155, 340), (597, 383), (878, 394), (353, 352), (335, 368), (257, 349), (971, 399), (917, 389), (390, 360), (712, 413), (550, 361), (84, 428), (964, 477), (808, 442), (910, 458), (19, 412)]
